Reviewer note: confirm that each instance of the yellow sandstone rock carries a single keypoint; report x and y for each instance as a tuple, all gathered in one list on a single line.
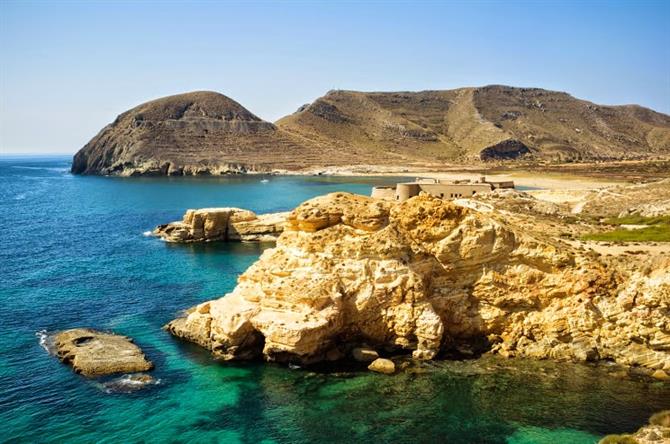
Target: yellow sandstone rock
[(93, 353), (381, 365), (223, 224), (425, 274)]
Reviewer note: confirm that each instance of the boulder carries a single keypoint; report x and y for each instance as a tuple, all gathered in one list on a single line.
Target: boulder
[(92, 353), (362, 354), (381, 365)]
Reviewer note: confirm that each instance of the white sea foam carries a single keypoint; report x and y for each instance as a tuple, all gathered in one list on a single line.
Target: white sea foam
[(45, 341), (20, 196), (147, 234), (265, 181), (127, 384)]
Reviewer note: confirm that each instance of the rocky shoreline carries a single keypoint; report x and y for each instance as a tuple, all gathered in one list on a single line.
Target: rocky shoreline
[(223, 224), (425, 277)]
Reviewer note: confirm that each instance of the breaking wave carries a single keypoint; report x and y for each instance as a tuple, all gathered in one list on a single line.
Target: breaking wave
[(128, 383), (45, 341)]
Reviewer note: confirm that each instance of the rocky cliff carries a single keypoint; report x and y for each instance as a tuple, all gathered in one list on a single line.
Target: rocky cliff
[(222, 224), (209, 133), (426, 276)]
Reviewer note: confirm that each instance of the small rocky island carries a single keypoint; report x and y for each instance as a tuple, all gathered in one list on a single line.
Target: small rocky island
[(426, 276), (92, 353), (223, 224)]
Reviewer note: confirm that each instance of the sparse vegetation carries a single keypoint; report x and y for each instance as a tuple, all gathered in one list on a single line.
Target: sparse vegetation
[(636, 219), (657, 229)]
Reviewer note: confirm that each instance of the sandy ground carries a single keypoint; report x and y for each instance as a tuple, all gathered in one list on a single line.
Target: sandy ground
[(607, 248), (544, 181)]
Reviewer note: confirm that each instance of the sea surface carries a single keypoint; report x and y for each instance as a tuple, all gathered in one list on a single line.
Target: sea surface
[(74, 254)]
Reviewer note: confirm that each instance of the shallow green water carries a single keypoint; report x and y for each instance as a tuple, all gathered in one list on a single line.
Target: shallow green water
[(74, 255)]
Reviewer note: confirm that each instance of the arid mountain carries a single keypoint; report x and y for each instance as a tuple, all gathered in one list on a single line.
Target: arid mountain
[(208, 133), (492, 122), (192, 133)]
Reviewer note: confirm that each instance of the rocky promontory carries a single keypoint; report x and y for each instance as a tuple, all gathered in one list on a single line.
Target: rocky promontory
[(223, 224), (198, 133), (92, 353), (427, 276)]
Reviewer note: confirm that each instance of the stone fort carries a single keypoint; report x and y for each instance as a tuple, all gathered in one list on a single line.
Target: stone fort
[(454, 189)]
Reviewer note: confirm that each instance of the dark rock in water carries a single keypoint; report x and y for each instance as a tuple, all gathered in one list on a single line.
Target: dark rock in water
[(93, 353)]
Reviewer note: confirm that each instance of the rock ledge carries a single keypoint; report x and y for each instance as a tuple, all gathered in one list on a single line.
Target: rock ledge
[(92, 353)]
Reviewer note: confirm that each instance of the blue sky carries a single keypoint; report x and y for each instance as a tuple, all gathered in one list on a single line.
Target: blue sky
[(68, 68)]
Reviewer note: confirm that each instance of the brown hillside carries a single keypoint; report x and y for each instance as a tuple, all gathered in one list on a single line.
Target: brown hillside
[(493, 122), (192, 133), (209, 133)]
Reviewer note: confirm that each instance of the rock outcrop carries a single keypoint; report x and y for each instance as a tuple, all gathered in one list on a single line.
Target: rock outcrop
[(92, 353), (223, 224), (427, 276)]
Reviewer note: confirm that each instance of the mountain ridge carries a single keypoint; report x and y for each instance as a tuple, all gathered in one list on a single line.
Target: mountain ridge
[(206, 132)]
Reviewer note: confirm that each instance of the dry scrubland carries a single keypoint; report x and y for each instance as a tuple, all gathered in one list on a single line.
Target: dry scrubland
[(209, 133)]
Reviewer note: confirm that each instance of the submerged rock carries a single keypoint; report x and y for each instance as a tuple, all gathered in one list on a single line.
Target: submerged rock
[(425, 274), (222, 224), (93, 353)]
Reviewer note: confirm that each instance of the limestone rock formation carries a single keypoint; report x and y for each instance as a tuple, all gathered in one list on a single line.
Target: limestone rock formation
[(425, 276), (93, 353), (222, 224)]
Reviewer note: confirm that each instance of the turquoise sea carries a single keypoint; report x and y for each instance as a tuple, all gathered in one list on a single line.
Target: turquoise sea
[(74, 254)]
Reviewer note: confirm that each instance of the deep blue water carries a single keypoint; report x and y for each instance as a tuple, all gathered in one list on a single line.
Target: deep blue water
[(73, 254)]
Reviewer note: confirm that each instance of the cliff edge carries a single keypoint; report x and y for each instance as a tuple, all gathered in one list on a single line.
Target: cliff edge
[(425, 276)]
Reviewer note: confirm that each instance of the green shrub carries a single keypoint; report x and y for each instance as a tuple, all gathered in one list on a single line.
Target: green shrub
[(636, 219)]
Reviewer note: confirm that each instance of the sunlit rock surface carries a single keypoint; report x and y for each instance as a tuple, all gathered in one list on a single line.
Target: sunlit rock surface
[(93, 353), (424, 276), (223, 224)]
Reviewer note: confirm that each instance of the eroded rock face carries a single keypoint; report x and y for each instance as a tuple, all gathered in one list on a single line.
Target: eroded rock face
[(426, 275), (93, 353), (657, 431), (222, 224)]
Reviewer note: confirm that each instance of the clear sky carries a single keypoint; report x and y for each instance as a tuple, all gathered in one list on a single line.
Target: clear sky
[(68, 68)]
